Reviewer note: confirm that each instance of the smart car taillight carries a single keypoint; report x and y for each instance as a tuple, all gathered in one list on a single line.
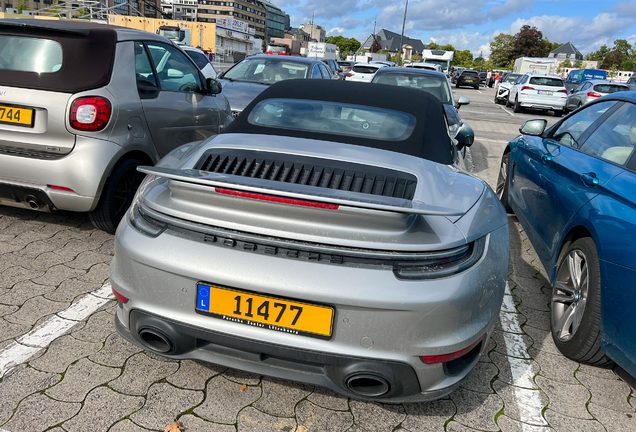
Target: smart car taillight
[(527, 88), (90, 113), (593, 94)]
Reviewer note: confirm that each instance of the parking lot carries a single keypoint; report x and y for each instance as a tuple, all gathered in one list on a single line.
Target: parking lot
[(66, 368)]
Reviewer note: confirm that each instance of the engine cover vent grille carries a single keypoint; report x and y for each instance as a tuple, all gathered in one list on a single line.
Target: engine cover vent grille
[(323, 173)]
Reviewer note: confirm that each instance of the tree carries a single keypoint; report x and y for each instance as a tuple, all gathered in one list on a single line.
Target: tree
[(613, 60), (529, 42), (22, 6), (550, 46), (502, 50), (416, 58), (599, 55), (629, 65), (463, 58), (433, 46), (578, 64), (345, 45), (566, 63), (612, 73), (447, 47), (623, 47)]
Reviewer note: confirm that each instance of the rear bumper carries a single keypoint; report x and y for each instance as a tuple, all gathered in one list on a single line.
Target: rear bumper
[(378, 318), (542, 102), (84, 171)]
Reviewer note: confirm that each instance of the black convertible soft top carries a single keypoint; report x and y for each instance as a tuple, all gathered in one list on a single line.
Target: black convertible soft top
[(429, 140)]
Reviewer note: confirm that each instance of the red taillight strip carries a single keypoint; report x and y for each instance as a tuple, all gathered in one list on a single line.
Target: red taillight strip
[(120, 297), (62, 188), (276, 199), (451, 356)]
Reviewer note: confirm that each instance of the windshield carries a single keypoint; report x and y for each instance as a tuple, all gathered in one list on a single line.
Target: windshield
[(266, 70), (545, 81), (442, 63), (333, 118), (171, 34), (275, 48), (512, 78), (30, 54), (436, 85)]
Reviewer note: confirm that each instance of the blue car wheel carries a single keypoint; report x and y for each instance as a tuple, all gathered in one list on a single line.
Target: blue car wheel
[(576, 304)]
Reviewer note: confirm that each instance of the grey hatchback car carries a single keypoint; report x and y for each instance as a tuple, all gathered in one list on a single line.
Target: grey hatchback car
[(82, 105), (328, 235)]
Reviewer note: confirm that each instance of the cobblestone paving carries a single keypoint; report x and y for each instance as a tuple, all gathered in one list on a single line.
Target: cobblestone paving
[(93, 380)]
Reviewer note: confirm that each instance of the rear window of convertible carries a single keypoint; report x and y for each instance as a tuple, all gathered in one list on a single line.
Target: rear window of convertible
[(27, 54), (333, 118)]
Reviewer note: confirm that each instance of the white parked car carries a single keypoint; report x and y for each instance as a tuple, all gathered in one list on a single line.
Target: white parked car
[(546, 92), (363, 72), (200, 58), (422, 65)]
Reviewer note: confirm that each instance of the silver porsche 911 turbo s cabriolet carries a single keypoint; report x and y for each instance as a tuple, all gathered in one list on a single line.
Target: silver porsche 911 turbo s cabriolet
[(329, 236)]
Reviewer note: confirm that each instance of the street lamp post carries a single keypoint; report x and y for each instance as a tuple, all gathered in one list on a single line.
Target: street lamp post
[(402, 38)]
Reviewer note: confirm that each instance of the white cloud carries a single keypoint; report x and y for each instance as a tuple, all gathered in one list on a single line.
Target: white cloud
[(350, 23), (433, 14), (625, 9), (337, 31), (497, 12), (586, 35), (475, 42)]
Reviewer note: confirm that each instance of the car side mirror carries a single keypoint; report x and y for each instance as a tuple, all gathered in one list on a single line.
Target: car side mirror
[(214, 87), (175, 73), (465, 136), (463, 100), (534, 127)]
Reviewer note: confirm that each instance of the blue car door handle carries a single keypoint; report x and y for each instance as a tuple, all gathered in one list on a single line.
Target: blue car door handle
[(589, 179), (546, 158)]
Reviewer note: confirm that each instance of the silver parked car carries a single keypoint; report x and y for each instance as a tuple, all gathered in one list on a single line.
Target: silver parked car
[(82, 105), (329, 236), (591, 90), (246, 79)]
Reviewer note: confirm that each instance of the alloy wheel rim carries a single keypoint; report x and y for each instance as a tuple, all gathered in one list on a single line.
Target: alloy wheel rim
[(503, 178), (570, 294)]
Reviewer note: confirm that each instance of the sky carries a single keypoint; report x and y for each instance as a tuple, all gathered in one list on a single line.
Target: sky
[(472, 24)]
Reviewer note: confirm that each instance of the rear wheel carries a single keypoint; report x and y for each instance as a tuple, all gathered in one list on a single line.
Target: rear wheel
[(576, 304), (117, 196), (503, 183), (558, 113), (457, 84), (517, 106)]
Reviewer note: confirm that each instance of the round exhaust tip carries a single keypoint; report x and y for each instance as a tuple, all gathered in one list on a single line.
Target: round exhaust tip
[(156, 340), (368, 385), (33, 203)]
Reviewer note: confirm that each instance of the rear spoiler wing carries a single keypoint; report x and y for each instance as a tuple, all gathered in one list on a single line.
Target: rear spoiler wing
[(300, 192)]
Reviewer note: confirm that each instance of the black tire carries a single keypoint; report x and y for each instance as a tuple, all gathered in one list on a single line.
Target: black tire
[(503, 182), (578, 342), (508, 101), (457, 84), (566, 110), (558, 113), (517, 105), (117, 196), (476, 88), (497, 101)]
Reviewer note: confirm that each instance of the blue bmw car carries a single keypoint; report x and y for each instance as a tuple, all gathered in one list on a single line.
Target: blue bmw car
[(573, 189)]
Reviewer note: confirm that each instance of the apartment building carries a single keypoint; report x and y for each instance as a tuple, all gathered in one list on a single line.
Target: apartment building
[(251, 11)]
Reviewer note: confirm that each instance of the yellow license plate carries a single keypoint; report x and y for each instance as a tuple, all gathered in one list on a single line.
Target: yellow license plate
[(16, 116), (270, 313)]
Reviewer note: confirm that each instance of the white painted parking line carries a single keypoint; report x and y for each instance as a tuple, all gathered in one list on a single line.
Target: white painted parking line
[(505, 110), (494, 141), (528, 401), (58, 325), (479, 91)]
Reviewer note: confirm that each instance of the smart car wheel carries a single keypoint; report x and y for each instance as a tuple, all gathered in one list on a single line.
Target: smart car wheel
[(117, 196), (502, 182), (576, 304)]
